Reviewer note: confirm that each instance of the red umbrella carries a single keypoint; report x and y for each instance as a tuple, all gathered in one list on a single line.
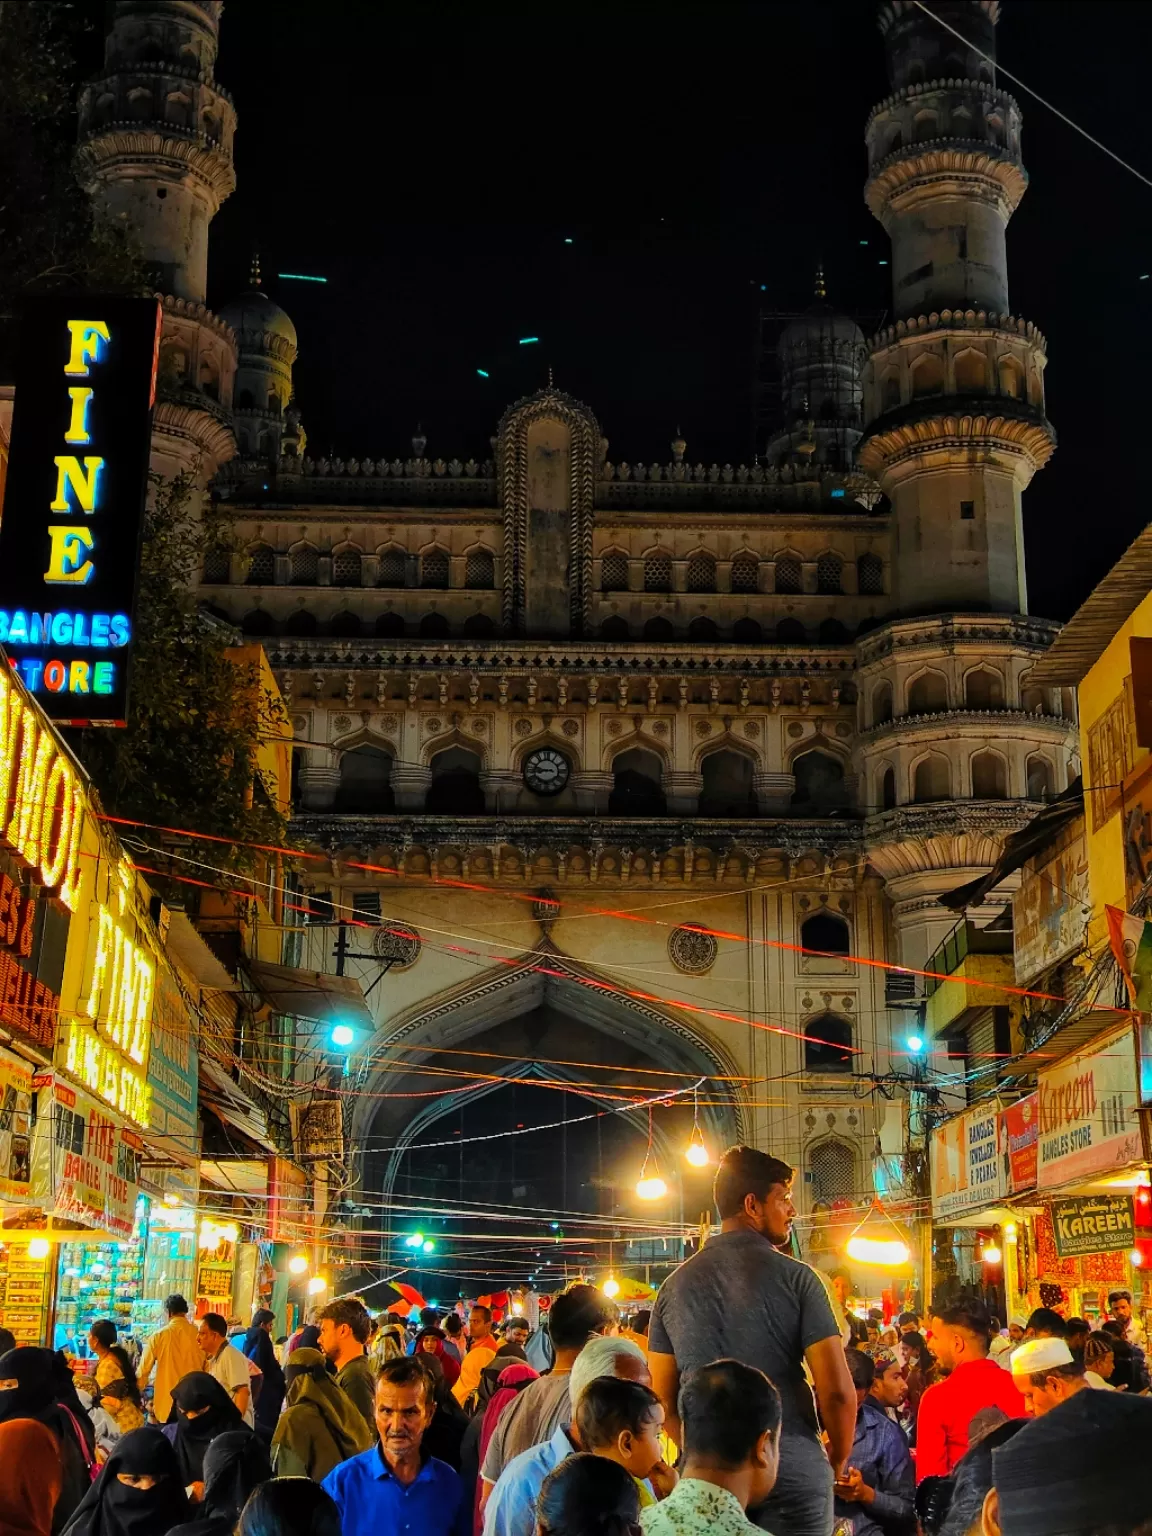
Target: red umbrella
[(411, 1298)]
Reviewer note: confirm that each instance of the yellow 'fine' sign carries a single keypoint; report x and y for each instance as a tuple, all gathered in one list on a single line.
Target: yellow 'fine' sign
[(41, 801)]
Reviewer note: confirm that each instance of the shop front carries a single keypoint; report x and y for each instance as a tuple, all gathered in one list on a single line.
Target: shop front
[(974, 1224)]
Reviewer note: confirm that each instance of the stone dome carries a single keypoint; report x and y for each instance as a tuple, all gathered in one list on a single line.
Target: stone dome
[(819, 326), (254, 315)]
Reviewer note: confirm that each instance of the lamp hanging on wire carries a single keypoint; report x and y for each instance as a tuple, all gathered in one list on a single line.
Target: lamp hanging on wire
[(877, 1246), (696, 1152), (650, 1186)]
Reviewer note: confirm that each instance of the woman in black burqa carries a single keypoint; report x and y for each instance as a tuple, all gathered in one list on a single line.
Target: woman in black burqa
[(138, 1492), (235, 1464), (37, 1384), (203, 1410)]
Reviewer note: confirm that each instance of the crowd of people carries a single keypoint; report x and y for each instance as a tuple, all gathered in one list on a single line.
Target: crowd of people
[(747, 1400)]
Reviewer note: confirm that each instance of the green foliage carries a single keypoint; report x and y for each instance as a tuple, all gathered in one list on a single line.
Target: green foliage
[(50, 237), (196, 717)]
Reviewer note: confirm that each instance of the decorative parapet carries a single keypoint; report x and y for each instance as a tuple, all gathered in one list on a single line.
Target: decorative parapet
[(959, 319), (915, 826), (922, 88), (587, 848), (187, 309), (1021, 631), (980, 720), (835, 663)]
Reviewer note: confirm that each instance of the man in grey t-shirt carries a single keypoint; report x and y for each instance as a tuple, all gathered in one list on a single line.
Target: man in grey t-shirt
[(741, 1299)]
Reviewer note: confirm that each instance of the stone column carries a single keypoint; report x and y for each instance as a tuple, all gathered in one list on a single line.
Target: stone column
[(592, 790), (318, 788), (682, 792), (410, 787), (501, 788), (774, 792)]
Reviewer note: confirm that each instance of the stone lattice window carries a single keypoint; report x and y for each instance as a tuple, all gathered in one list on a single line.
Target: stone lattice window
[(480, 569), (614, 572), (829, 574), (701, 573), (303, 567), (261, 566), (833, 1168), (434, 568), (346, 568), (745, 573), (217, 566), (789, 574), (391, 570), (658, 572), (870, 574)]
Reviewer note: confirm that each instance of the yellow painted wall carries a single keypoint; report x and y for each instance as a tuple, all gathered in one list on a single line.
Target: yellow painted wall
[(1103, 684)]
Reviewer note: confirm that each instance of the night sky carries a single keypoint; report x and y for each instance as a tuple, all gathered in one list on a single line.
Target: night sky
[(430, 160)]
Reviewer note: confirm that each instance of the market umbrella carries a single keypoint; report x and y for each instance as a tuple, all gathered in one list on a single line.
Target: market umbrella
[(408, 1297), (387, 1295)]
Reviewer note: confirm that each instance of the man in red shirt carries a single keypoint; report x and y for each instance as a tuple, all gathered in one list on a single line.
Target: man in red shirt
[(960, 1339)]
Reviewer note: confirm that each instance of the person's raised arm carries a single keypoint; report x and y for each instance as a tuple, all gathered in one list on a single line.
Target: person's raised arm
[(835, 1395), (666, 1385)]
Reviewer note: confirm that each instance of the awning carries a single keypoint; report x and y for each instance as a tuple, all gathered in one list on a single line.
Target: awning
[(312, 994), (1019, 848), (195, 957), (236, 1176), (1071, 1037), (228, 1100)]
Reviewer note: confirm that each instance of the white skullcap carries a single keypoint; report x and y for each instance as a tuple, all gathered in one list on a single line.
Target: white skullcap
[(1040, 1355)]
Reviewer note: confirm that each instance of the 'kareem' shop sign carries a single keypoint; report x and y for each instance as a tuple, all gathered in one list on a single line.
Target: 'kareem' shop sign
[(1087, 1107), (74, 502), (1095, 1224)]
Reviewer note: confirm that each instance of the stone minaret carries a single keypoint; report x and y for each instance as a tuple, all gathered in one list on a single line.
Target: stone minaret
[(954, 390), (956, 745), (155, 155)]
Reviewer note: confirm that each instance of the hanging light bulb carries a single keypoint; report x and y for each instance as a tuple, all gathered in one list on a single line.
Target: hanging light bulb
[(877, 1245), (611, 1286), (316, 1285), (991, 1254), (298, 1263), (650, 1186), (696, 1152), (39, 1248)]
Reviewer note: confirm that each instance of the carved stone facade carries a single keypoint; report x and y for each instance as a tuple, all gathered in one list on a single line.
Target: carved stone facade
[(557, 712)]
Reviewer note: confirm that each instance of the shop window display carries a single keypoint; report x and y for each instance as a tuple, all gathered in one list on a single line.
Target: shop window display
[(23, 1291), (96, 1280)]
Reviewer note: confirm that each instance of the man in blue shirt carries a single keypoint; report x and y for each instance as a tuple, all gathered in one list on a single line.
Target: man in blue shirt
[(394, 1489), (879, 1484)]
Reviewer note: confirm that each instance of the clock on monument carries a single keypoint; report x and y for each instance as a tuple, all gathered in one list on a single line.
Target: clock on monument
[(546, 771)]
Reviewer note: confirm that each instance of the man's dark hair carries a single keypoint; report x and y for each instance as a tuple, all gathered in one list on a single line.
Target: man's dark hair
[(453, 1323), (261, 1317), (518, 1322), (875, 1315), (216, 1323), (609, 1406), (347, 1310), (1046, 1321), (407, 1371), (861, 1368), (577, 1313), (429, 1317), (642, 1321), (478, 1306), (1068, 1372), (908, 1317), (1076, 1325), (745, 1171), (915, 1341), (970, 1315), (176, 1306), (290, 1504), (725, 1407), (840, 1274), (588, 1493)]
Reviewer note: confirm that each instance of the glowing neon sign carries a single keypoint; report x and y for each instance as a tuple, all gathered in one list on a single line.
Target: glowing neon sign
[(69, 539)]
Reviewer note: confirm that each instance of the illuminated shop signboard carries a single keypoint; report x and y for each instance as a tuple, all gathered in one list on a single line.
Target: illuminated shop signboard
[(109, 992), (74, 504)]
